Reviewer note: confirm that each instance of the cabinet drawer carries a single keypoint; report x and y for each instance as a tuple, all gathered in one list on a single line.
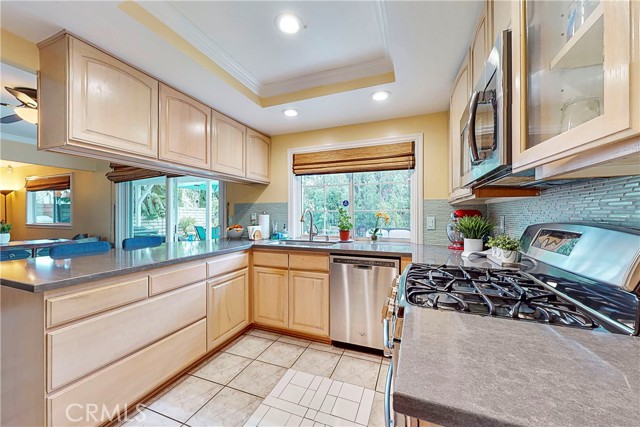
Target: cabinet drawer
[(74, 306), (83, 347), (173, 277), (309, 262), (227, 263), (128, 380), (271, 259)]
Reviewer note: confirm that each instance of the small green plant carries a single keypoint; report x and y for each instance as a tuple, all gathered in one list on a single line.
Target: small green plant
[(344, 220), (5, 227), (186, 225), (504, 242), (474, 227)]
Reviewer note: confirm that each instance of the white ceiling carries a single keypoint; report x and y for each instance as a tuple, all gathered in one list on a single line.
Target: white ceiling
[(423, 42), (19, 131)]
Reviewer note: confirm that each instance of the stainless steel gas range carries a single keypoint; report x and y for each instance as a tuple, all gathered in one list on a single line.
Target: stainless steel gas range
[(572, 275)]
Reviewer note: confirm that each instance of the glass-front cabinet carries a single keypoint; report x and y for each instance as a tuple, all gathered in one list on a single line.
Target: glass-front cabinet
[(573, 78)]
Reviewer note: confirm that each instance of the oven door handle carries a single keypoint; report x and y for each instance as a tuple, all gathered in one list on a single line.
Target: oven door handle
[(388, 421), (471, 128)]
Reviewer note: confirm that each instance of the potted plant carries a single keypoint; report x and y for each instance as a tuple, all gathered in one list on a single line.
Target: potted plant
[(504, 248), (344, 224), (5, 237), (380, 216), (474, 229)]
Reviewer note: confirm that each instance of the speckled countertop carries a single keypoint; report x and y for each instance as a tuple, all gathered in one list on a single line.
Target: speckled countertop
[(458, 369)]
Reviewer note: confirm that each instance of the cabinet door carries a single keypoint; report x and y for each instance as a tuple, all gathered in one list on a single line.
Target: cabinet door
[(270, 296), (185, 135), (459, 99), (574, 71), (113, 105), (258, 156), (228, 147), (227, 307), (309, 302), (479, 51)]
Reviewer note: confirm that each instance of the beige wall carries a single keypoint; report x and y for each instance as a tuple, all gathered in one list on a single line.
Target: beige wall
[(92, 203), (434, 127)]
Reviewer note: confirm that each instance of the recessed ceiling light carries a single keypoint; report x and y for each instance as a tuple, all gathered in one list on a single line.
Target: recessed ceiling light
[(380, 95), (289, 23), (290, 112)]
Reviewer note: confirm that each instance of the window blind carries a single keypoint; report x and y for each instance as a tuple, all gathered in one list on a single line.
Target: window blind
[(122, 173), (48, 183), (362, 159)]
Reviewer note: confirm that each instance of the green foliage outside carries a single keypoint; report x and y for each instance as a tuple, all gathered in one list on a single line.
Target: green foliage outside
[(185, 225)]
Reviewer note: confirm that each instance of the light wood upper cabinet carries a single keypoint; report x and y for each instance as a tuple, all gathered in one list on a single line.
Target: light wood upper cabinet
[(309, 302), (185, 129), (229, 146), (479, 50), (258, 156), (96, 104), (458, 102), (576, 75), (227, 307), (270, 296), (501, 16)]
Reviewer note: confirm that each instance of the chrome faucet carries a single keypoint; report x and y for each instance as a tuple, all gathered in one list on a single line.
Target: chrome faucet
[(311, 225)]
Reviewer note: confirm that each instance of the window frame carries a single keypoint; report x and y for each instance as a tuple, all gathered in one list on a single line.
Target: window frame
[(28, 207), (416, 185)]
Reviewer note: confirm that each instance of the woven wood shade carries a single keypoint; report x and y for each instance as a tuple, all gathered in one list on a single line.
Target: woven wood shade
[(363, 159), (50, 183), (122, 173)]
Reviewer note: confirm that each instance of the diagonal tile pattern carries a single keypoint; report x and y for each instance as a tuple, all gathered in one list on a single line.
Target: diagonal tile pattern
[(267, 379)]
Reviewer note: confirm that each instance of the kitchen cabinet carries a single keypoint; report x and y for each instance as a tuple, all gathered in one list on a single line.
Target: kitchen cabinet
[(309, 302), (481, 44), (271, 296), (227, 307), (258, 157), (501, 16), (576, 71), (92, 103), (185, 129), (229, 146)]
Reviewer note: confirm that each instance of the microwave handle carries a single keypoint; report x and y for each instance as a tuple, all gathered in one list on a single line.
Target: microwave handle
[(471, 128)]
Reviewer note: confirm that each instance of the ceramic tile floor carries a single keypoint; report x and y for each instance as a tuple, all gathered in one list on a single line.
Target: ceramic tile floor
[(267, 379)]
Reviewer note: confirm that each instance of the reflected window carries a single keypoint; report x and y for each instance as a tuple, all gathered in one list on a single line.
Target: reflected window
[(49, 200)]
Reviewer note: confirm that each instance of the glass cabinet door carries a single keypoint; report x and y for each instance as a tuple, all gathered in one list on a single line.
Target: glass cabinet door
[(565, 66)]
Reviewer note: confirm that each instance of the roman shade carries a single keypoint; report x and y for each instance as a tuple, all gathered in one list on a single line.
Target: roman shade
[(122, 173), (49, 183), (362, 159)]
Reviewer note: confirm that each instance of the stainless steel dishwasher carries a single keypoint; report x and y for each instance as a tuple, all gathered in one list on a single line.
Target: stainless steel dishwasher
[(359, 288)]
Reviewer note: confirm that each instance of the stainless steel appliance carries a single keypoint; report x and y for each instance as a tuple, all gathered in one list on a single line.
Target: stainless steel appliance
[(358, 290), (575, 275), (486, 122)]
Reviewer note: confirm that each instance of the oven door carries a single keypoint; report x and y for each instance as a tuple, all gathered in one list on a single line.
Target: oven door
[(486, 127)]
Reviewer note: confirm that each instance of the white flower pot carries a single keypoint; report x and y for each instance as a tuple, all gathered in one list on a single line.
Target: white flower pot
[(506, 256), (473, 245), (4, 238)]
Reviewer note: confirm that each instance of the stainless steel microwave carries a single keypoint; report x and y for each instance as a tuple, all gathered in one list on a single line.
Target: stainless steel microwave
[(486, 123)]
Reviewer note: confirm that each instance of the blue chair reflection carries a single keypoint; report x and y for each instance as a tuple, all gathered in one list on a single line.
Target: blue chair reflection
[(215, 232)]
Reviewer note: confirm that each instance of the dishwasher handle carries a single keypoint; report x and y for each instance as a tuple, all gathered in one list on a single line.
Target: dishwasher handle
[(365, 262), (362, 267)]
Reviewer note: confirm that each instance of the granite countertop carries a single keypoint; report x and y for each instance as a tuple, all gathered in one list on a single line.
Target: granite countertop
[(467, 370)]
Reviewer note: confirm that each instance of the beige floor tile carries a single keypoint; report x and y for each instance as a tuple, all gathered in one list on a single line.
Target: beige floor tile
[(382, 378), (364, 356), (376, 419), (264, 334), (258, 378), (317, 362), (326, 347), (229, 408), (357, 371), (222, 368), (386, 360), (183, 400), (281, 354), (292, 340), (249, 346), (147, 418)]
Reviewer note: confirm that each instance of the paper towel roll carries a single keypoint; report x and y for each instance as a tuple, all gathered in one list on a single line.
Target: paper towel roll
[(263, 222)]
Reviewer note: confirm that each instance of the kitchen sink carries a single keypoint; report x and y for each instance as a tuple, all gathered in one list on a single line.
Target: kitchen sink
[(301, 243)]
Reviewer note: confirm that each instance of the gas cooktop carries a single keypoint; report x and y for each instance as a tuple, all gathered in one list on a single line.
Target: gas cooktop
[(491, 292)]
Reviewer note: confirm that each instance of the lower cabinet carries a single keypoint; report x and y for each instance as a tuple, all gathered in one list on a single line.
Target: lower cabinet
[(309, 302), (227, 307), (270, 296)]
